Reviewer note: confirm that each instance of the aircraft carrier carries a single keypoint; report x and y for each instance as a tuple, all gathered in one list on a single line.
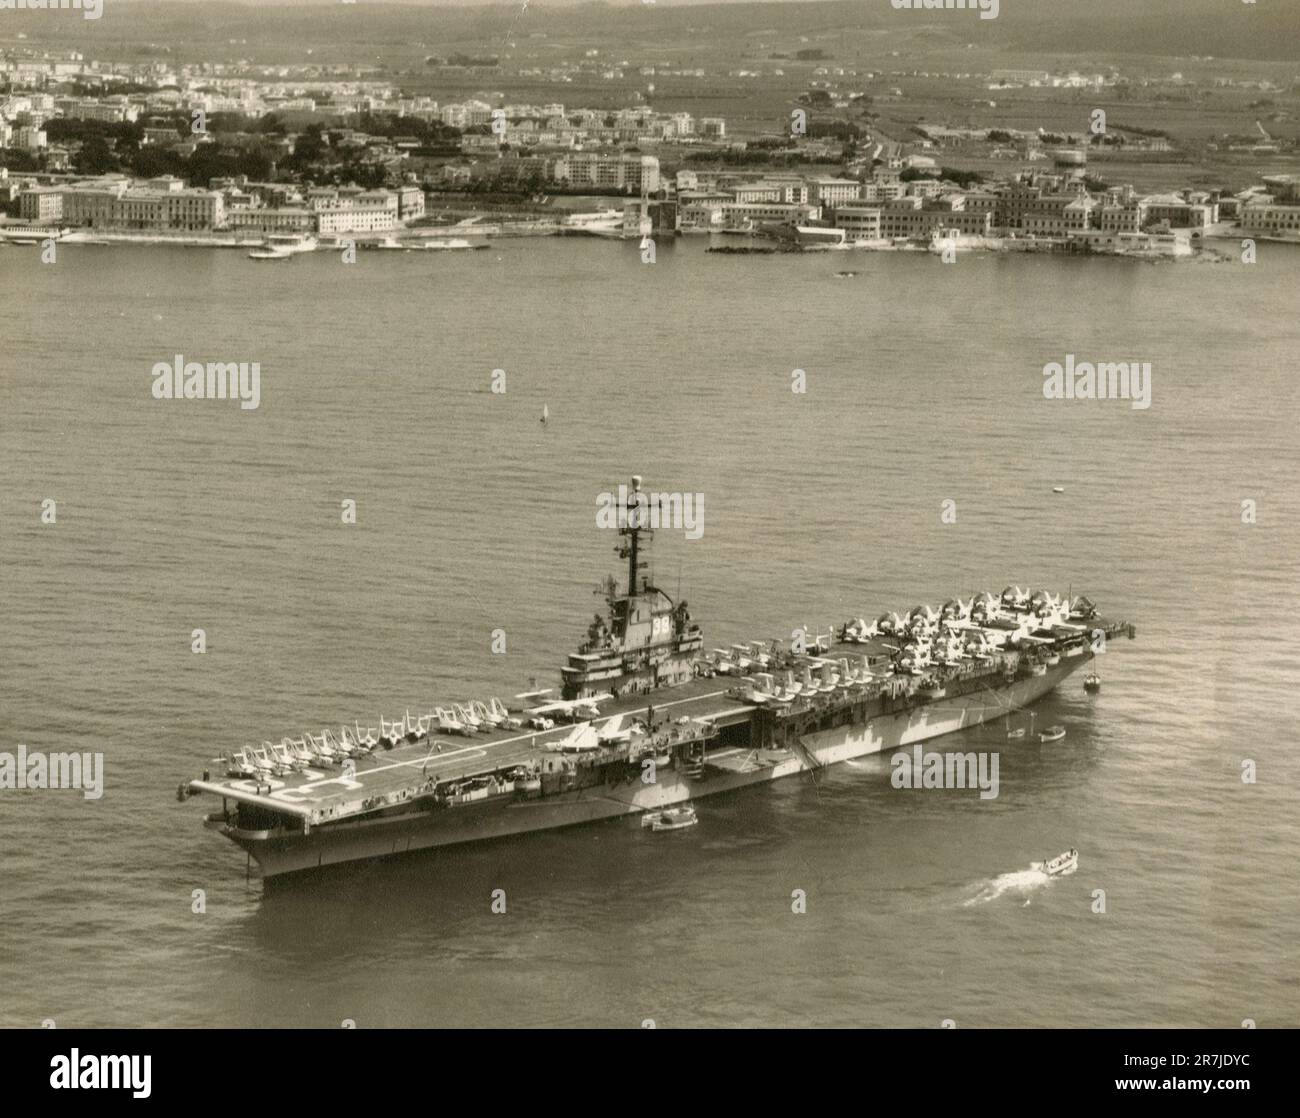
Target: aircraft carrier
[(647, 719)]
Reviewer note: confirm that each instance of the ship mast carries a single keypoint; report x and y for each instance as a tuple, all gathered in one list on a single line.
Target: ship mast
[(634, 524)]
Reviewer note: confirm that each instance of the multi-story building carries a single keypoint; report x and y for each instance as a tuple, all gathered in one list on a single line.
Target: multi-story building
[(75, 108), (834, 192), (30, 138), (41, 204), (273, 219), (1265, 217), (1126, 216), (743, 216), (1056, 215), (612, 172), (93, 204), (1013, 203), (356, 219), (882, 191), (410, 202), (701, 210), (1179, 213), (752, 192), (169, 210), (910, 217), (860, 223)]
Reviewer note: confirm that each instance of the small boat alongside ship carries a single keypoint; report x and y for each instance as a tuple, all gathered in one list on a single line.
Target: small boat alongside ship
[(671, 819)]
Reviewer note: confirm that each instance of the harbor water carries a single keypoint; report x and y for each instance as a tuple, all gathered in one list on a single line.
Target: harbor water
[(924, 385)]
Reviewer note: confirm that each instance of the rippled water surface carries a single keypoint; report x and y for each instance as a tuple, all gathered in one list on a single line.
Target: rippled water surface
[(924, 385)]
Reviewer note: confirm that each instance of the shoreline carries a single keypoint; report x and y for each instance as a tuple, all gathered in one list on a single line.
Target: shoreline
[(479, 236)]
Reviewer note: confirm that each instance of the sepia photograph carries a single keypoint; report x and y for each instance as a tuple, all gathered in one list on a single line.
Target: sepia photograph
[(650, 514)]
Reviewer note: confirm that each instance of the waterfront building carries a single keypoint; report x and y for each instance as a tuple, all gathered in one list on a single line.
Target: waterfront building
[(1056, 215), (702, 210), (174, 209), (1265, 217), (1128, 215), (287, 219), (356, 219), (1178, 212), (41, 204), (911, 217), (742, 216), (860, 223)]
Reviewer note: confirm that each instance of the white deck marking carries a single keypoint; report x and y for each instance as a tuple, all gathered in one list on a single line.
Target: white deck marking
[(482, 749)]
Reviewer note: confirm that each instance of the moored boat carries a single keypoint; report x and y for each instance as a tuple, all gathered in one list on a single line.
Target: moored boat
[(671, 819)]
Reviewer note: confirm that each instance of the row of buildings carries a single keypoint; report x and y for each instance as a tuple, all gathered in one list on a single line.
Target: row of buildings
[(24, 113), (1032, 204), (165, 205)]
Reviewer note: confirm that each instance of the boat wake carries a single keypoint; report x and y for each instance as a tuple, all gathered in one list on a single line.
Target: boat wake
[(1021, 883)]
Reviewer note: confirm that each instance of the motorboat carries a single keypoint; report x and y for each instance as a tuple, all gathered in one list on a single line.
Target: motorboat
[(269, 254), (671, 819), (1051, 734), (436, 245), (291, 242), (1092, 683), (1062, 863)]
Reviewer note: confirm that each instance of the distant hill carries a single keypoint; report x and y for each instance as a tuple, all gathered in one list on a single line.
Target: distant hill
[(1269, 30)]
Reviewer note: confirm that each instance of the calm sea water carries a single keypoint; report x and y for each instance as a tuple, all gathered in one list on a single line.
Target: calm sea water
[(924, 385)]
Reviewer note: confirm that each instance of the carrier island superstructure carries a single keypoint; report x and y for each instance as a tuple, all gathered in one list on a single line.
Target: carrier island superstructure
[(646, 719)]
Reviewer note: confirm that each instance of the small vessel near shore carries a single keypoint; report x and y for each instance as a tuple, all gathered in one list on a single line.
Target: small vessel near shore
[(291, 243), (453, 244), (671, 819), (1062, 863), (1051, 734), (269, 254)]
